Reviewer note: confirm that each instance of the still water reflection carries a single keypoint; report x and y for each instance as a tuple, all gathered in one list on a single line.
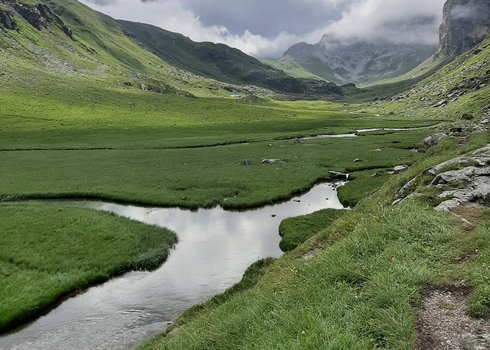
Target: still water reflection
[(215, 248)]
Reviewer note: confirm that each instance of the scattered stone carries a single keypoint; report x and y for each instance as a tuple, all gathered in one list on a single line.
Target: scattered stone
[(442, 321), (377, 150), (457, 130), (399, 169), (297, 140), (268, 161), (273, 215), (270, 145), (285, 161), (357, 160), (336, 175), (245, 162), (296, 200), (442, 103)]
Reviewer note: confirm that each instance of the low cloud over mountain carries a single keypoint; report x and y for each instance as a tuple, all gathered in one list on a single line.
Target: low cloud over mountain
[(266, 28)]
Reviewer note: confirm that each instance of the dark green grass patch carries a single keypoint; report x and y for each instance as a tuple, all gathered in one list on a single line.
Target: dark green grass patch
[(198, 177), (295, 231), (47, 253)]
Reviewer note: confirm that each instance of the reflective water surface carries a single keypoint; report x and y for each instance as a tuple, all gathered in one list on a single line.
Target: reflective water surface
[(215, 248)]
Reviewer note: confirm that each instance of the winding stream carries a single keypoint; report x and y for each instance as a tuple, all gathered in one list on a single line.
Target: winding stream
[(215, 248)]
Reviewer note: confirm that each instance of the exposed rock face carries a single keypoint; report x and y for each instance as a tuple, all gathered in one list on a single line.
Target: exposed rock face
[(469, 183), (465, 23), (357, 61), (7, 20), (39, 16), (433, 140)]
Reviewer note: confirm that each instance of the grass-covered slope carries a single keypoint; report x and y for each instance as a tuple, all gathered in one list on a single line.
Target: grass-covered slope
[(459, 88), (47, 253), (222, 62), (291, 68)]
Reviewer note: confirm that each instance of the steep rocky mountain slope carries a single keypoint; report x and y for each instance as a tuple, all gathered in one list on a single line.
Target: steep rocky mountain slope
[(68, 37), (460, 91), (465, 24), (357, 61)]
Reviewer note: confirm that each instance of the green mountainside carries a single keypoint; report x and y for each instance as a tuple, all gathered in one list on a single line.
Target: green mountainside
[(67, 37), (221, 62)]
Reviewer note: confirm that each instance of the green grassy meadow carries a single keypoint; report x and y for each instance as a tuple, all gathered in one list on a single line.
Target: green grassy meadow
[(47, 253), (98, 117)]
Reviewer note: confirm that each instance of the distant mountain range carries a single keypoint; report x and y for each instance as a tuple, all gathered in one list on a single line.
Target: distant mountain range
[(357, 61), (71, 37)]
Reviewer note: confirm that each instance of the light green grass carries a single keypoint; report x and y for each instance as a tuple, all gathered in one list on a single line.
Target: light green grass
[(360, 290), (47, 253), (360, 293), (297, 230)]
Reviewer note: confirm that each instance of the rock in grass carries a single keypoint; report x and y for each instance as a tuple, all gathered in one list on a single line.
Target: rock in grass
[(268, 161), (399, 169), (245, 162), (433, 140), (336, 175)]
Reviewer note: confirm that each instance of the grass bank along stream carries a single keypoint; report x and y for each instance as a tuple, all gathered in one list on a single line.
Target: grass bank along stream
[(47, 253), (354, 285)]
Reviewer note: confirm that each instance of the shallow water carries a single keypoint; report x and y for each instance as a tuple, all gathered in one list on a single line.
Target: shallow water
[(215, 248)]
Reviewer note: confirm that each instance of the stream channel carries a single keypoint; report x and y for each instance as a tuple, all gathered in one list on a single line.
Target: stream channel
[(215, 248)]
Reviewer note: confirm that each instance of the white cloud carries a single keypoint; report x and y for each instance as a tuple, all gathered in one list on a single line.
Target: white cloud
[(369, 19)]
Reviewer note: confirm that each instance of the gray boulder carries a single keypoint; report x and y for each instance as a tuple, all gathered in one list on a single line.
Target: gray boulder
[(433, 140)]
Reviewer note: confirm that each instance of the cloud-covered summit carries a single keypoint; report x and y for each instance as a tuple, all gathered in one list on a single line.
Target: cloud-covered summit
[(266, 28)]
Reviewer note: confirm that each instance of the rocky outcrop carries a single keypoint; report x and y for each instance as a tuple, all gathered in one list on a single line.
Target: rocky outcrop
[(39, 16), (7, 20), (466, 23), (461, 180), (433, 140)]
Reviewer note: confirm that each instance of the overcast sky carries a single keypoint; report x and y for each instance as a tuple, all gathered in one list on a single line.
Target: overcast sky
[(266, 28)]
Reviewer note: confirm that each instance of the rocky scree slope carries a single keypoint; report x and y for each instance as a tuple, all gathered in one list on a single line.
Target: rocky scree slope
[(458, 92)]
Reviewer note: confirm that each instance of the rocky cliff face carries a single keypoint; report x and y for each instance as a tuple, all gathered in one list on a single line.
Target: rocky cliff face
[(466, 23), (39, 16), (357, 61), (7, 20)]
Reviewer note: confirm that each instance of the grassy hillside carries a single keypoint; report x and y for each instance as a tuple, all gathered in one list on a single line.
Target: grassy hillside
[(222, 62), (291, 68), (460, 88)]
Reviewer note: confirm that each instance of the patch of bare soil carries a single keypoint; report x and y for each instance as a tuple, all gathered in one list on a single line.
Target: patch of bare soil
[(443, 324)]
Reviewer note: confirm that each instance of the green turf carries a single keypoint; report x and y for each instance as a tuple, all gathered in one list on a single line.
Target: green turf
[(203, 177), (47, 253), (360, 286), (296, 230)]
